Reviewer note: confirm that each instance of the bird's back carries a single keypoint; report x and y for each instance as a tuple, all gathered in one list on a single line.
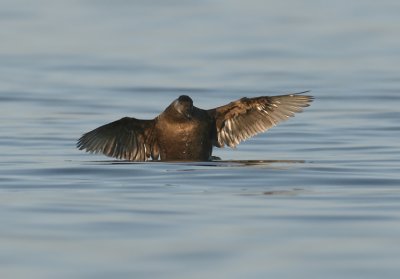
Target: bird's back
[(185, 139)]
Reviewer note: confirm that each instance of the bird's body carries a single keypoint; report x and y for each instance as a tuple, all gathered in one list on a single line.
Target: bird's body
[(183, 132), (192, 136)]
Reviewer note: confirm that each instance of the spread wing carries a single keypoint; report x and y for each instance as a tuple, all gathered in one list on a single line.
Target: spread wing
[(128, 138), (244, 118)]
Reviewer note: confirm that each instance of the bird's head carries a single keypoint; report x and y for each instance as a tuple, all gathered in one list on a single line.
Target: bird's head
[(184, 106)]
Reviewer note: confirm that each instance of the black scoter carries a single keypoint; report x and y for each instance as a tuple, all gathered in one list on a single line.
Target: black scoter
[(183, 132)]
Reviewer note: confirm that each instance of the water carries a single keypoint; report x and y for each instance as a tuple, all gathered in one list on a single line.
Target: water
[(316, 197)]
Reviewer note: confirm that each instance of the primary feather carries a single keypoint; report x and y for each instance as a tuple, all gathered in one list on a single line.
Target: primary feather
[(244, 118)]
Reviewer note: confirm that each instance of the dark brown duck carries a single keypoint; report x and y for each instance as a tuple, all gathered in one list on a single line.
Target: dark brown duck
[(183, 132)]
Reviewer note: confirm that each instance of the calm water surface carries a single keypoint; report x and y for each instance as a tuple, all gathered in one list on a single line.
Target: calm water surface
[(316, 197)]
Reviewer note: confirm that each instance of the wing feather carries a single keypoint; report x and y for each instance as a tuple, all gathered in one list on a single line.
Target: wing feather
[(244, 118), (127, 138)]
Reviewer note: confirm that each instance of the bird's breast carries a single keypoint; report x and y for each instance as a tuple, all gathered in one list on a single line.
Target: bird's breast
[(184, 140)]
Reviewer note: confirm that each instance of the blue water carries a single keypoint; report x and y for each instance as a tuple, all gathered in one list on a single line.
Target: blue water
[(316, 197)]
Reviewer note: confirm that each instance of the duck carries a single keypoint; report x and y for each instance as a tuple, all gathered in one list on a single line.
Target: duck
[(184, 132)]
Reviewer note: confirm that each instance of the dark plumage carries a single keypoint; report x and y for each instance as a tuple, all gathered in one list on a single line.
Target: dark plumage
[(184, 132)]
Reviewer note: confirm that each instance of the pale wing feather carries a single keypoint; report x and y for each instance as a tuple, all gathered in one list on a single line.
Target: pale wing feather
[(246, 117)]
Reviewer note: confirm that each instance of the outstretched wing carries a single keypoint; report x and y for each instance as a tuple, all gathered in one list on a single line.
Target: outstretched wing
[(128, 138), (244, 118)]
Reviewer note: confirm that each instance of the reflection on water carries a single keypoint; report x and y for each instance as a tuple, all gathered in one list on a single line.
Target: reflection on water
[(214, 163), (323, 201)]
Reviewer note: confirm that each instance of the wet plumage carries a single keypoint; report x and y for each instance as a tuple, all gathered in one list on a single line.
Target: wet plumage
[(184, 132)]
